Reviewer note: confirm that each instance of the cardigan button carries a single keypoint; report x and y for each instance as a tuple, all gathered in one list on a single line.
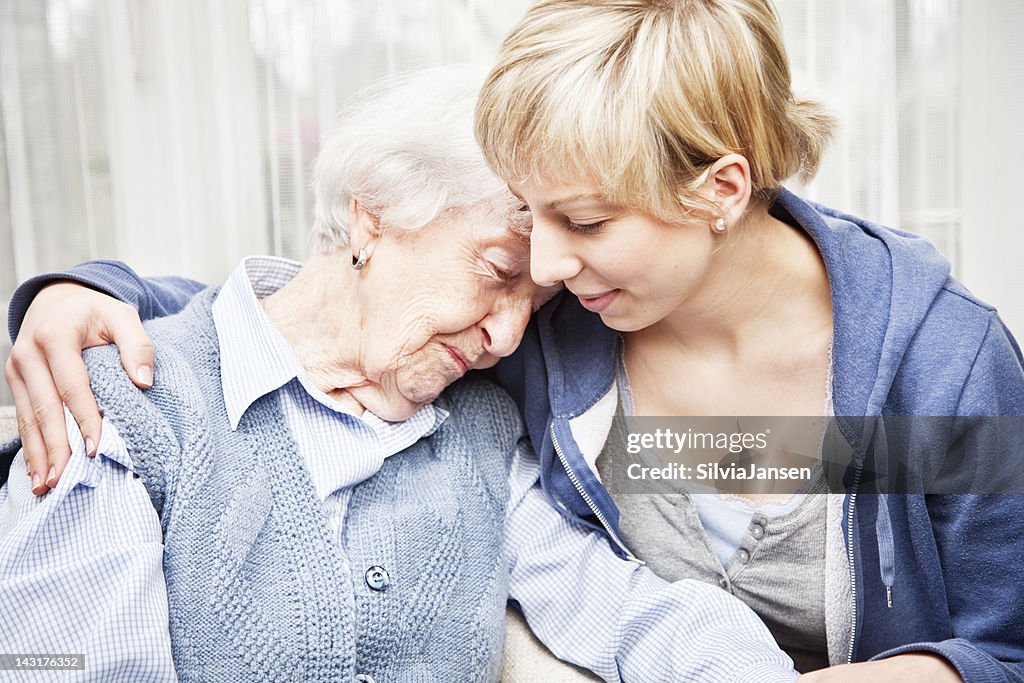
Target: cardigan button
[(378, 579), (364, 678), (757, 531)]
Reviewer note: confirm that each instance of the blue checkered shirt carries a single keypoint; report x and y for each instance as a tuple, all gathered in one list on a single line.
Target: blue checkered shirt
[(80, 568)]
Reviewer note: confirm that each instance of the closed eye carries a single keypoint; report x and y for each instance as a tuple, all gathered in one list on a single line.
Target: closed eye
[(585, 228), (502, 274)]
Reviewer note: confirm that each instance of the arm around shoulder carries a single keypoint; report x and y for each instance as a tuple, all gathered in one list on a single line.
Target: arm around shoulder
[(152, 297)]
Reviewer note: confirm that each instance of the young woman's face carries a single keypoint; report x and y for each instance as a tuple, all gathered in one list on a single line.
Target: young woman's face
[(629, 267)]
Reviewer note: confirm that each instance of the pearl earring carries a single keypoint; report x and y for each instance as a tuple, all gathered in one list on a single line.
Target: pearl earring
[(359, 262)]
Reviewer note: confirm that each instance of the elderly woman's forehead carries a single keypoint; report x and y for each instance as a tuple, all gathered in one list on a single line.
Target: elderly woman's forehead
[(493, 221)]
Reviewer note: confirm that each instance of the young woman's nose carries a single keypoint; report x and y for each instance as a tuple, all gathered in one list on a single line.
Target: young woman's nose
[(551, 257)]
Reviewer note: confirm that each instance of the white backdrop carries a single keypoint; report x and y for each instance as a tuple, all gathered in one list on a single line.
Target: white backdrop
[(177, 136)]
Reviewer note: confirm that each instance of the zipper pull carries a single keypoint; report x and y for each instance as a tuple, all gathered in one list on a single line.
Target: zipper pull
[(888, 596)]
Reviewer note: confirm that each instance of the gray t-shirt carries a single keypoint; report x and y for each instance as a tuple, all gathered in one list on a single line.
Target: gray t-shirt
[(778, 569)]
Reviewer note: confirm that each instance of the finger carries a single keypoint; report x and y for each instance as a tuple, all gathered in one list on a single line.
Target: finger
[(72, 382), (32, 443), (136, 348), (47, 411)]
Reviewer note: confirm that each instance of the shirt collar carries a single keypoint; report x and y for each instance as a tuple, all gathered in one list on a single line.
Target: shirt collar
[(255, 359)]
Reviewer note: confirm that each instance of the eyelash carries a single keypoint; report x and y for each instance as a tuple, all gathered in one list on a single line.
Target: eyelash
[(585, 228), (505, 276)]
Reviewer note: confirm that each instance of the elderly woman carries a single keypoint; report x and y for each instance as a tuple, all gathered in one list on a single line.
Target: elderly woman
[(650, 139), (311, 489)]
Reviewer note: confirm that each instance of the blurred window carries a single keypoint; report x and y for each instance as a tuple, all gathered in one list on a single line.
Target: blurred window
[(178, 137)]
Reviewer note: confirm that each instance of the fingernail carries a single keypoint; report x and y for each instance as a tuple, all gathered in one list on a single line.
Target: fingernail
[(145, 374), (37, 482), (90, 446), (51, 477)]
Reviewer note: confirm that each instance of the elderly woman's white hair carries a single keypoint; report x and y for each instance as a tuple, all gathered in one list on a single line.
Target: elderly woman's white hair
[(404, 148)]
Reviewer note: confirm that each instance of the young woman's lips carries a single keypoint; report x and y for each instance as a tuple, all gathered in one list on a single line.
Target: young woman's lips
[(459, 359), (598, 302)]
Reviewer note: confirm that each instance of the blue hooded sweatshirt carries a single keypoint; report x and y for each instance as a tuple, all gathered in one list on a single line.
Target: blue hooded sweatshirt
[(928, 573)]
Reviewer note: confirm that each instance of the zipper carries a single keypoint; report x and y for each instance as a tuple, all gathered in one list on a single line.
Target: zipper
[(849, 555), (590, 501)]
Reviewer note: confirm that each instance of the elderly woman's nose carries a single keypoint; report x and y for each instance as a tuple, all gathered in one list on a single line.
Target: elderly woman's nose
[(503, 328), (551, 257)]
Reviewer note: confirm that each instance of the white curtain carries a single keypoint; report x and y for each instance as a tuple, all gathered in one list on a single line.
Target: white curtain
[(886, 68), (177, 136), (930, 99), (991, 147)]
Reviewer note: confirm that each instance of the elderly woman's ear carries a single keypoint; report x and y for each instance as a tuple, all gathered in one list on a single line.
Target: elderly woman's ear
[(364, 231)]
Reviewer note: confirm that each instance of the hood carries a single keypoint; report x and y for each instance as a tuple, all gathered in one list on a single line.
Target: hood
[(884, 282), (872, 328)]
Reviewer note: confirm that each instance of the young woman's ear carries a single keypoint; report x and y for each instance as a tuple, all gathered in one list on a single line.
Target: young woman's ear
[(729, 186)]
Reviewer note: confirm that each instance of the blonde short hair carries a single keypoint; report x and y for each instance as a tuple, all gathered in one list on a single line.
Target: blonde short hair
[(643, 96)]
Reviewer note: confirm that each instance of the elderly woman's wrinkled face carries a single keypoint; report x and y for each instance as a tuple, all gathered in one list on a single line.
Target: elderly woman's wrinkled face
[(455, 295)]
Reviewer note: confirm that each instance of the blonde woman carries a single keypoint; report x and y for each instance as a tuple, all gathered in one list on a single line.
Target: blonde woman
[(650, 140)]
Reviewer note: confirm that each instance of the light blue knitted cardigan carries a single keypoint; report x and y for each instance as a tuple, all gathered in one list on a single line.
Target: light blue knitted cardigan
[(258, 589)]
